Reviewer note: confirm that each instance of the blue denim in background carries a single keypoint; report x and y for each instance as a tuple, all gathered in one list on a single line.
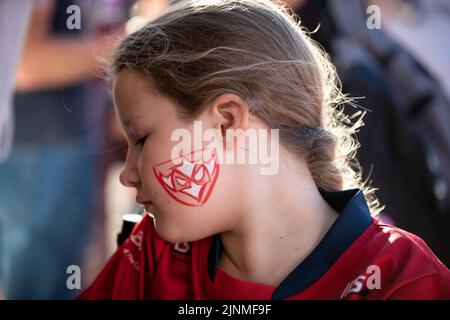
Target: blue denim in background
[(46, 212)]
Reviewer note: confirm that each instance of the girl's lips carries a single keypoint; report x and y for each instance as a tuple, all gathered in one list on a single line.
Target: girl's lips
[(142, 201)]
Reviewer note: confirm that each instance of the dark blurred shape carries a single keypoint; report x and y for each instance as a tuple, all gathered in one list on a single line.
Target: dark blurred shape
[(129, 221)]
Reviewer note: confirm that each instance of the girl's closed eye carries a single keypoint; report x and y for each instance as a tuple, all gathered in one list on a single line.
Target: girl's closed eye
[(141, 141)]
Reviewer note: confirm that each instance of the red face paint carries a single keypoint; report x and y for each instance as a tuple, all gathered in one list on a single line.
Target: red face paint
[(189, 179)]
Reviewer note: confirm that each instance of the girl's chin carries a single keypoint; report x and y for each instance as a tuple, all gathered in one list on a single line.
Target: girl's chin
[(168, 232)]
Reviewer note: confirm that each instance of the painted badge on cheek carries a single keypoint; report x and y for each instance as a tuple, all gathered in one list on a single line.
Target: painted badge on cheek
[(189, 179)]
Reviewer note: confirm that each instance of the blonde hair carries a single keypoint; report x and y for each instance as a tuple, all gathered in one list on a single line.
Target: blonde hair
[(198, 50)]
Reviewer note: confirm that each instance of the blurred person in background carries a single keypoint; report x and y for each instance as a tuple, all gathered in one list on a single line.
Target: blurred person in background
[(418, 25), (47, 185), (405, 142)]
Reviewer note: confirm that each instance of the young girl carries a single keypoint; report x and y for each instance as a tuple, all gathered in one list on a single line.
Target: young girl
[(219, 230)]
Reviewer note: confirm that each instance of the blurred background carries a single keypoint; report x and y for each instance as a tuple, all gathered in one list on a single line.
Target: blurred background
[(62, 149)]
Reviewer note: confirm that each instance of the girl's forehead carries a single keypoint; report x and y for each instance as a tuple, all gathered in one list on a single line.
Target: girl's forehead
[(135, 99), (134, 84), (126, 79)]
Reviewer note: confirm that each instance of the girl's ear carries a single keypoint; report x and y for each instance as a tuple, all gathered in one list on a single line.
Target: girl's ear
[(229, 111)]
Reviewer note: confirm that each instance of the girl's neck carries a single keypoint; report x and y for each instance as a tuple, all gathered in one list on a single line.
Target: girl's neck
[(281, 226)]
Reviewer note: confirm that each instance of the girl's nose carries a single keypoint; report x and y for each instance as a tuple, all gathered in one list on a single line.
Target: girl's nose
[(129, 177)]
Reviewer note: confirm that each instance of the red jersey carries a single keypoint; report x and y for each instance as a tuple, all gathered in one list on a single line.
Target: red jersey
[(358, 258)]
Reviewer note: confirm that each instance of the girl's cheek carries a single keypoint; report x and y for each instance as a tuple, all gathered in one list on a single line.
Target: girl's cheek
[(190, 179)]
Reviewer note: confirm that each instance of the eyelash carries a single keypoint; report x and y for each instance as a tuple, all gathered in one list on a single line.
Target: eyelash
[(141, 141)]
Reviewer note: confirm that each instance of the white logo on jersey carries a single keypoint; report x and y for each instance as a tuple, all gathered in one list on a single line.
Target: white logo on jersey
[(371, 280), (131, 259), (137, 239), (182, 247)]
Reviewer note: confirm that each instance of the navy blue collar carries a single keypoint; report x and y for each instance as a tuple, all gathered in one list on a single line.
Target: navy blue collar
[(354, 218)]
